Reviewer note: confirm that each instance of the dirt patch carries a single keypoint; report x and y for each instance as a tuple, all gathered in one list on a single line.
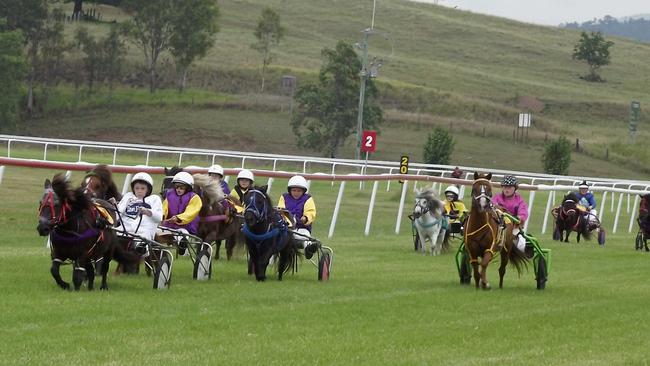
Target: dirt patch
[(530, 103)]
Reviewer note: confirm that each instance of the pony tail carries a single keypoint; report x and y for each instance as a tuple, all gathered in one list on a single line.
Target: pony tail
[(518, 260)]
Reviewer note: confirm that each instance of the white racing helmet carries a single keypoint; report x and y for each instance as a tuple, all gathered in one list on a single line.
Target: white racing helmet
[(297, 181), (143, 178), (185, 178), (452, 189), (584, 185), (246, 174), (216, 169)]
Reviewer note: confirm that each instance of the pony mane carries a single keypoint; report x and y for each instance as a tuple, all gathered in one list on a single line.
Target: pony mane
[(105, 175), (61, 186), (431, 196), (210, 188), (571, 196), (170, 172), (266, 195), (77, 198)]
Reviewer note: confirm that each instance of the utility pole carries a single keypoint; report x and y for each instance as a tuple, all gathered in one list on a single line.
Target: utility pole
[(363, 75)]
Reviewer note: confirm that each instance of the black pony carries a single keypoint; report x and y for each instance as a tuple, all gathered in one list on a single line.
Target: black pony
[(568, 218), (79, 232), (266, 234)]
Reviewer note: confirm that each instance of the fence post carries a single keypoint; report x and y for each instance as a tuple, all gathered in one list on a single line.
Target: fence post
[(549, 203), (602, 206), (371, 207), (633, 213), (269, 183), (531, 200), (336, 210), (401, 207), (2, 172), (618, 212), (127, 184)]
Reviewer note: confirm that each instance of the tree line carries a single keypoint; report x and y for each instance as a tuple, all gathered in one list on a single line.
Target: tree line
[(637, 28)]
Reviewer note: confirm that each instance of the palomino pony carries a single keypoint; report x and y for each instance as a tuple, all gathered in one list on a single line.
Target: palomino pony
[(98, 183), (570, 218), (79, 233), (484, 238), (266, 234), (430, 222)]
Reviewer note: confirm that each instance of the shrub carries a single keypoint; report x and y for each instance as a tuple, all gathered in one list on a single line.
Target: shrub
[(438, 147), (557, 157)]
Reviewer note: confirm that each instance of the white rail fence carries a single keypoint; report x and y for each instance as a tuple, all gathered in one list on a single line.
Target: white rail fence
[(614, 192)]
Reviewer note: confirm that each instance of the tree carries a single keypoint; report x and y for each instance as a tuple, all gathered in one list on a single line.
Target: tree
[(28, 16), (439, 146), (327, 112), (92, 58), (269, 32), (594, 49), (557, 157), (12, 69), (194, 25), (151, 29), (112, 60)]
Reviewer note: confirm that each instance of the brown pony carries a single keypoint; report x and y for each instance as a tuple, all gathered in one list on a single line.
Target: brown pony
[(568, 217), (485, 237), (98, 183), (216, 223)]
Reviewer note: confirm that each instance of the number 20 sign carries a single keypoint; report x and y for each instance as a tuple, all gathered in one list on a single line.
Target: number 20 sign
[(369, 141)]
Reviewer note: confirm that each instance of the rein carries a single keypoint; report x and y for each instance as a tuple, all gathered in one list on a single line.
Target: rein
[(49, 203)]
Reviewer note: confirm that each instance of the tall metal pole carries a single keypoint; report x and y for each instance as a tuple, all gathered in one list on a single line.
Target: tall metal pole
[(362, 91), (363, 75)]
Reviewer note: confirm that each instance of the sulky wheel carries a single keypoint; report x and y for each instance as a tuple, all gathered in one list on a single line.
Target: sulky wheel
[(324, 265), (541, 273), (163, 273), (202, 266), (601, 236)]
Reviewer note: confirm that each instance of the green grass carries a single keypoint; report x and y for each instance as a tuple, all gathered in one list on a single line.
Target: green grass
[(385, 304)]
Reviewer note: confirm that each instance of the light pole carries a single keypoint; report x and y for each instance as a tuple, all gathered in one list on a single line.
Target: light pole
[(363, 75)]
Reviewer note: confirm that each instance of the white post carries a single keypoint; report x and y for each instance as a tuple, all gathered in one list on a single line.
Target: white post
[(371, 207), (68, 174), (633, 214), (401, 207), (531, 200), (2, 173), (269, 183), (602, 206), (613, 198), (336, 210), (549, 203), (127, 183), (226, 178), (618, 212)]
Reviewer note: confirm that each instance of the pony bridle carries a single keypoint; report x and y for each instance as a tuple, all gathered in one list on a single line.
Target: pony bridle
[(251, 205), (88, 186), (570, 211), (51, 201), (423, 208), (482, 194)]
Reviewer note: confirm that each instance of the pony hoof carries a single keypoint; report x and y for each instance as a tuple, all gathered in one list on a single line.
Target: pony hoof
[(65, 286)]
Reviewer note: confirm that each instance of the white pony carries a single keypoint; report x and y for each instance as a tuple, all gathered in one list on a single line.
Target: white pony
[(429, 221)]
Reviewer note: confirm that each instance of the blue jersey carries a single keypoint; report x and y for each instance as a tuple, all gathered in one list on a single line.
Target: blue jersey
[(587, 200)]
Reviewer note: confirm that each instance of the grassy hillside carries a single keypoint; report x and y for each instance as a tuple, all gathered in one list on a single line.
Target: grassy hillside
[(443, 65)]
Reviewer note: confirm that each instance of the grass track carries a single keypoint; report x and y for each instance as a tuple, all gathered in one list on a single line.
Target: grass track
[(385, 304)]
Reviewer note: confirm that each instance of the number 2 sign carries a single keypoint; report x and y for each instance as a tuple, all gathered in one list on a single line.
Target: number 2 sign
[(369, 141)]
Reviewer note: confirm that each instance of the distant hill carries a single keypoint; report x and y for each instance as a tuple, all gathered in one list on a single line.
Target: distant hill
[(635, 27)]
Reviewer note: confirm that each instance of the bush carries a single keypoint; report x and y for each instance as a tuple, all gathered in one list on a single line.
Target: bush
[(557, 157), (438, 147)]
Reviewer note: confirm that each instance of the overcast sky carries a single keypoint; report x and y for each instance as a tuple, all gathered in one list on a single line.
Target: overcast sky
[(551, 12)]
